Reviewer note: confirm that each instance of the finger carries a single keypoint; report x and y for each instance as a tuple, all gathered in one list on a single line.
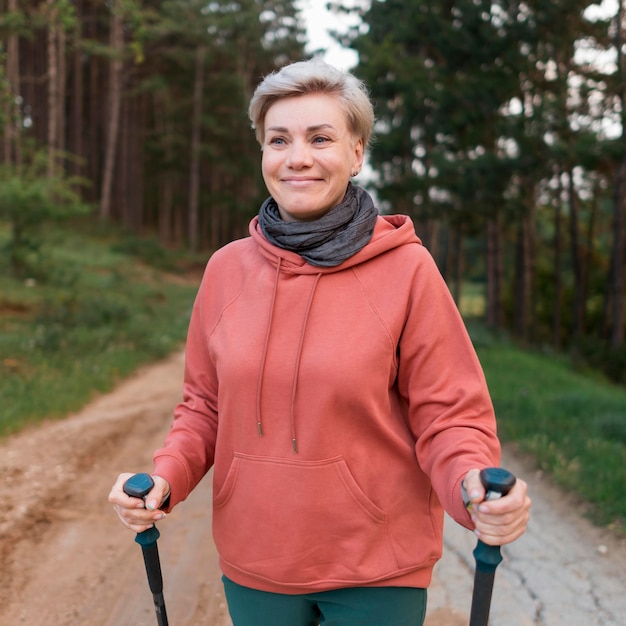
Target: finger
[(502, 521), (138, 519), (158, 494), (473, 486), (131, 511), (138, 528), (117, 495), (515, 500), (500, 535), (499, 529)]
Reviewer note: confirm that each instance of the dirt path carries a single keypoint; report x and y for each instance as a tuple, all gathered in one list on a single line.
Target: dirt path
[(66, 561)]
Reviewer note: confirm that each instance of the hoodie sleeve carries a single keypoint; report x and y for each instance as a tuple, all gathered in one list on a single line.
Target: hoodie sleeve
[(450, 411), (188, 451)]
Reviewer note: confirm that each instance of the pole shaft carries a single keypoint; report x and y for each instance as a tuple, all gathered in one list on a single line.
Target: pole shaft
[(159, 608), (481, 600)]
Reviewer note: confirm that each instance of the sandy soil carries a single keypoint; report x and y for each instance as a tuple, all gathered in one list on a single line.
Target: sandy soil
[(65, 558)]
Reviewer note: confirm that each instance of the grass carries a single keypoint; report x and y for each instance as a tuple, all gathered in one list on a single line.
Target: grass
[(574, 424), (97, 314)]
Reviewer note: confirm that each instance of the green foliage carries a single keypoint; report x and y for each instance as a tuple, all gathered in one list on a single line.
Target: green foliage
[(66, 14), (62, 341), (147, 249), (438, 98), (595, 353), (30, 200), (497, 120), (12, 21), (574, 424)]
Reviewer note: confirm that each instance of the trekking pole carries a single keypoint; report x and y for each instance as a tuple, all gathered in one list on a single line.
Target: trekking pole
[(138, 486), (497, 483)]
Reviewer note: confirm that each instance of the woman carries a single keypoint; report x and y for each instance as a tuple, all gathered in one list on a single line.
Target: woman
[(331, 384)]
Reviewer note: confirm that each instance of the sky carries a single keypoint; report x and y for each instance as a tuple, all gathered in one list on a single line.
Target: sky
[(318, 20), (602, 8)]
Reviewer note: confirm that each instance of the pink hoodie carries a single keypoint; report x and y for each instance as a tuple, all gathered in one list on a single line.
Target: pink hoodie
[(340, 408)]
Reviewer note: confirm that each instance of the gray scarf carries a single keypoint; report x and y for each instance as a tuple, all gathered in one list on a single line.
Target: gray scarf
[(329, 240)]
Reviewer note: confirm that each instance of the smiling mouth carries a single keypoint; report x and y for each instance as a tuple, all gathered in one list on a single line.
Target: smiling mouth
[(300, 181)]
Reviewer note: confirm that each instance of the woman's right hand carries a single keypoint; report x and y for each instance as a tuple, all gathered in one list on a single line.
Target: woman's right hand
[(134, 513)]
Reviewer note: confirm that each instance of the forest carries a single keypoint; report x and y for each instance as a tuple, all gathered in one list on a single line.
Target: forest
[(500, 131)]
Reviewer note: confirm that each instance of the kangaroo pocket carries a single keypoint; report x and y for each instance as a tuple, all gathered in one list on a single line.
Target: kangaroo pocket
[(300, 522)]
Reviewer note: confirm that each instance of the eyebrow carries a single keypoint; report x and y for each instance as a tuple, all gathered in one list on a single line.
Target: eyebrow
[(284, 129)]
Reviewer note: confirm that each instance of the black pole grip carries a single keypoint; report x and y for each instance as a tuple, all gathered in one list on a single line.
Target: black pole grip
[(497, 483), (139, 486)]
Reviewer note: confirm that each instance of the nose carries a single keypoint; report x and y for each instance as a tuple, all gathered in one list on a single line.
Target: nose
[(299, 156)]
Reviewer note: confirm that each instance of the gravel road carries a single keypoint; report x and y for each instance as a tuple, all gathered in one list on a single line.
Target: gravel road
[(66, 561)]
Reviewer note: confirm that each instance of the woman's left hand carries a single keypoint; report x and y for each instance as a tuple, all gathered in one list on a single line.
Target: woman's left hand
[(500, 521)]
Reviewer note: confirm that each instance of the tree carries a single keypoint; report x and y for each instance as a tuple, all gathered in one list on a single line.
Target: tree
[(114, 106), (480, 118), (13, 22), (616, 287), (196, 138), (116, 83), (53, 83), (438, 99), (30, 198)]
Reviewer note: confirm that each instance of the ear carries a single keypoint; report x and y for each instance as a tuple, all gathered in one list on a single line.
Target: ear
[(358, 155)]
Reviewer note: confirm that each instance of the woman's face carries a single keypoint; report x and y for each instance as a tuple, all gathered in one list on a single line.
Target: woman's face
[(308, 155)]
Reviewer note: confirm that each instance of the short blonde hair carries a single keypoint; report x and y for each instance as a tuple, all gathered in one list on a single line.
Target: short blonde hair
[(315, 76)]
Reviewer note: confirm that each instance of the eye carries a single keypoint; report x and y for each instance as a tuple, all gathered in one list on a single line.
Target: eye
[(276, 141), (320, 139)]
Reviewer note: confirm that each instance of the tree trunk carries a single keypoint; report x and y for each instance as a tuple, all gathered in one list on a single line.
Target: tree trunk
[(95, 122), (579, 298), (615, 289), (130, 192), (519, 302), (12, 127), (459, 264), (164, 217), (53, 85), (215, 214), (165, 182), (115, 98), (558, 265), (614, 301), (76, 127), (494, 274), (122, 204), (61, 82), (588, 247), (523, 274), (196, 135)]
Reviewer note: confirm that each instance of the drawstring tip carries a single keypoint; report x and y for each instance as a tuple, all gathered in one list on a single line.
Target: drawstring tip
[(294, 443), (259, 428)]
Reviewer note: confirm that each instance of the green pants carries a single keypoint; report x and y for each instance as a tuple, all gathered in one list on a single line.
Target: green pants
[(356, 606)]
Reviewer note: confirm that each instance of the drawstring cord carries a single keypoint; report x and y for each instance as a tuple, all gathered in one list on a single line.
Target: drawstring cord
[(294, 386), (259, 424)]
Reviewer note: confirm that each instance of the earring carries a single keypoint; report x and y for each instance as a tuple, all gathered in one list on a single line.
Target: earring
[(355, 173)]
